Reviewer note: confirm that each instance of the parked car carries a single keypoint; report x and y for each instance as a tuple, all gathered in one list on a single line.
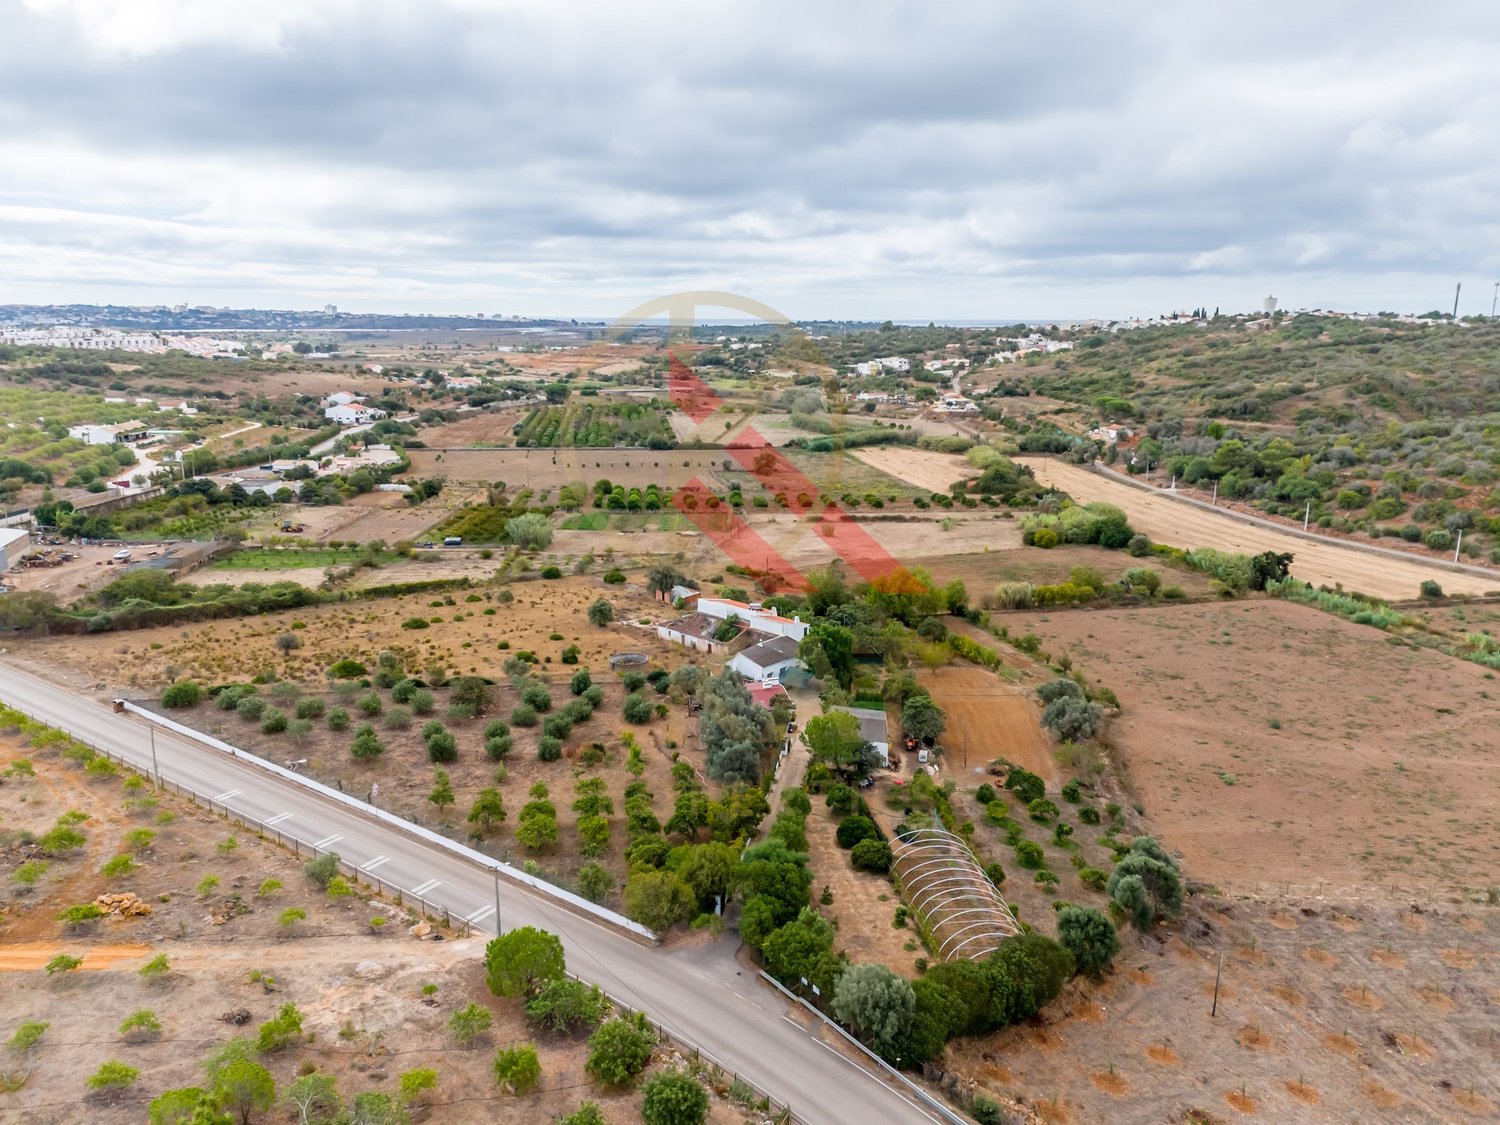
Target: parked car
[(453, 541), (122, 554), (922, 756)]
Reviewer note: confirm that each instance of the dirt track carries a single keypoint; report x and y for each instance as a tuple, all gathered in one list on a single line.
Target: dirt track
[(1321, 563)]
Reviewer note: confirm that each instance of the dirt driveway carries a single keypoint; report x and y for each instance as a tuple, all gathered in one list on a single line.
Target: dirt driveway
[(1321, 563)]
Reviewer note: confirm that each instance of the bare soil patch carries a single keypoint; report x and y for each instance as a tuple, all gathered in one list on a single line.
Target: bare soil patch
[(988, 718), (548, 468), (1274, 744), (1242, 1102), (863, 906), (934, 472), (1321, 1060), (1302, 1092), (1112, 1083), (487, 427)]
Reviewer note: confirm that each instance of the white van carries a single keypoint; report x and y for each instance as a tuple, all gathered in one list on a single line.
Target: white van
[(922, 757)]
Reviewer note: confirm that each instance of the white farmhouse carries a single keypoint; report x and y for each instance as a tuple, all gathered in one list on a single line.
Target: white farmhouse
[(754, 617), (353, 414), (765, 662), (91, 434)]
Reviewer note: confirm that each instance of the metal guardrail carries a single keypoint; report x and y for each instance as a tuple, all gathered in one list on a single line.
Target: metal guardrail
[(887, 1068), (429, 911), (780, 1111), (494, 866)]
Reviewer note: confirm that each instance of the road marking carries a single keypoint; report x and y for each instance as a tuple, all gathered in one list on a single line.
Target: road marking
[(326, 840), (376, 862), (222, 797), (278, 818), (479, 915), (423, 888)]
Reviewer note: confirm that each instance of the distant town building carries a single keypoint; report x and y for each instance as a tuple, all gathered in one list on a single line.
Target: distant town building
[(353, 414), (91, 434), (957, 404)]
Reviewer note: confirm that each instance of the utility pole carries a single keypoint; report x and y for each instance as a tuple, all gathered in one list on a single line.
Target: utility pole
[(1216, 493), (1307, 515), (498, 929), (1457, 289), (151, 728), (1217, 974), (1493, 299), (1459, 545)]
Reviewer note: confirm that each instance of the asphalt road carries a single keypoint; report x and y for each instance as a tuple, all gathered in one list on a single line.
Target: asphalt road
[(699, 994)]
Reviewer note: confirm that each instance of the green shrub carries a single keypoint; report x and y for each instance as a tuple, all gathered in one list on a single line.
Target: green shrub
[(310, 708), (338, 719), (637, 708), (620, 1049), (549, 749), (184, 693), (517, 1070), (567, 1006), (872, 855), (853, 829), (1029, 854)]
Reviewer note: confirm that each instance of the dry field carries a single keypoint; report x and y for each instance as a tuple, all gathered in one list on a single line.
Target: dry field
[(934, 472), (464, 641), (1270, 743), (988, 718), (1371, 1013), (488, 427), (548, 468), (362, 995), (1319, 562), (981, 572), (363, 519)]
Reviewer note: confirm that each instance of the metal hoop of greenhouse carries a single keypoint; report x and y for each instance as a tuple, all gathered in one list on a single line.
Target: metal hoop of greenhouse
[(950, 894)]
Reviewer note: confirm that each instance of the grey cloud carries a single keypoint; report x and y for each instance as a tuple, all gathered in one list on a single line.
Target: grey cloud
[(888, 154)]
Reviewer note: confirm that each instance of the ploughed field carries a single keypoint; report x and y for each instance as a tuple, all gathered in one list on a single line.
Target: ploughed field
[(1271, 743)]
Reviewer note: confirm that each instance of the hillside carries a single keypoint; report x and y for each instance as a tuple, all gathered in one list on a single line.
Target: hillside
[(1387, 428)]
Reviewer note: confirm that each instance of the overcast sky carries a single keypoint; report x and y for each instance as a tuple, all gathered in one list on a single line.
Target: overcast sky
[(867, 160)]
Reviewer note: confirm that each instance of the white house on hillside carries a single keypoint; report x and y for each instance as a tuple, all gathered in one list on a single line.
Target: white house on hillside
[(352, 414), (108, 435), (754, 617), (766, 661)]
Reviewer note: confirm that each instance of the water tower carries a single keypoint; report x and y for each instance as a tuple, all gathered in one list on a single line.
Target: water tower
[(1268, 306)]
